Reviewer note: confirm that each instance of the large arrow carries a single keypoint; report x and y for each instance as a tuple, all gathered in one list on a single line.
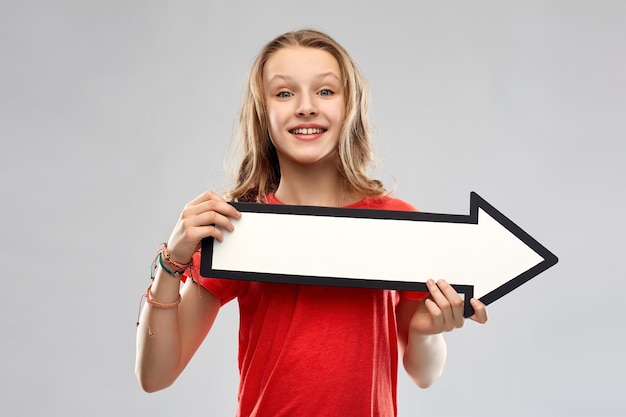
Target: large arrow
[(484, 255)]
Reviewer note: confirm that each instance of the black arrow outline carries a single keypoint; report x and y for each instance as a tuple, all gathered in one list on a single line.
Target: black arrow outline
[(476, 202)]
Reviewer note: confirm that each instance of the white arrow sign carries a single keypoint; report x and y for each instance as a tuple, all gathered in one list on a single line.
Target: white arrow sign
[(483, 255)]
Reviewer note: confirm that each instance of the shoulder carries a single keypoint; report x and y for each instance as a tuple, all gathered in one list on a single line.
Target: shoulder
[(385, 202)]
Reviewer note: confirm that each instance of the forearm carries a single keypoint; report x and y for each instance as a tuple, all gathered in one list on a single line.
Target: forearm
[(167, 338), (422, 347), (424, 357), (420, 327), (158, 360)]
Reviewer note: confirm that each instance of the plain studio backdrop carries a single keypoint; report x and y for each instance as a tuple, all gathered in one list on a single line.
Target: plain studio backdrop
[(114, 114)]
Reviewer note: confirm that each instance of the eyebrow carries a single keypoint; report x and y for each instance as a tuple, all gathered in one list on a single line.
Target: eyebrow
[(319, 76)]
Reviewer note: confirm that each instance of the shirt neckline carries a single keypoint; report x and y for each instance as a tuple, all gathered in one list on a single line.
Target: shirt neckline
[(271, 199)]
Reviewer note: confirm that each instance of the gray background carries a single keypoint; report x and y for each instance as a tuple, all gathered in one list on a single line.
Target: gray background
[(114, 114)]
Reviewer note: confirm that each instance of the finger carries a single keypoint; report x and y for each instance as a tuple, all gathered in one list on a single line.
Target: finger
[(214, 202), (436, 315), (210, 231), (206, 196), (212, 212), (480, 311), (456, 302), (212, 218), (209, 224), (217, 205), (191, 219), (198, 222), (442, 302)]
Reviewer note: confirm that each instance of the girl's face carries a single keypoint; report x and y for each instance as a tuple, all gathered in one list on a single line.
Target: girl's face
[(304, 99)]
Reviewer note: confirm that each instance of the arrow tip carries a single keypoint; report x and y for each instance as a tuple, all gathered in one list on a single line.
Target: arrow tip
[(527, 259)]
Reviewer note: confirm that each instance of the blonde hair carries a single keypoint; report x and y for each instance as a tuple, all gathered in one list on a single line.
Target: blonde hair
[(259, 171)]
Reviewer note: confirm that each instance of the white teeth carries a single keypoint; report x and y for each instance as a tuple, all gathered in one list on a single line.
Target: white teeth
[(307, 131)]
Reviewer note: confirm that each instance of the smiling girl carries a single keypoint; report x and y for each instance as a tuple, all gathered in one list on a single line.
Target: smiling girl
[(303, 350)]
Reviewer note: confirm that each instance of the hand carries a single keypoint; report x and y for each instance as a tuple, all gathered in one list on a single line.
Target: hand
[(442, 310), (203, 217)]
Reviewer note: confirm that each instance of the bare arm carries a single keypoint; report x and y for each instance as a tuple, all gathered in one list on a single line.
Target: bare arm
[(423, 356), (174, 334), (167, 338), (421, 324)]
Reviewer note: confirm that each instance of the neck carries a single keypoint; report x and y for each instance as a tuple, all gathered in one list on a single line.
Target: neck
[(314, 186)]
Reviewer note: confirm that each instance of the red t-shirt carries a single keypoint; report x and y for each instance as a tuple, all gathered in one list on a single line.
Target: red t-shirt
[(311, 351)]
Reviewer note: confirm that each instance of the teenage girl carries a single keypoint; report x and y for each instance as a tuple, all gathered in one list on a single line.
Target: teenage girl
[(303, 350)]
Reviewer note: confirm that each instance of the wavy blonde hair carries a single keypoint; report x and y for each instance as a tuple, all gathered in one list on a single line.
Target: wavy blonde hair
[(259, 171)]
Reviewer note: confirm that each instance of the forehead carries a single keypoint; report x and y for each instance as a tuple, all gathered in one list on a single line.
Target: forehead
[(299, 62)]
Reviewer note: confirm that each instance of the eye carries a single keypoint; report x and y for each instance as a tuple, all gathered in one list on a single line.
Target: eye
[(284, 94), (325, 92)]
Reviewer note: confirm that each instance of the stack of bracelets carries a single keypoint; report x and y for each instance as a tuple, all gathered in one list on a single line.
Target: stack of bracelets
[(163, 257)]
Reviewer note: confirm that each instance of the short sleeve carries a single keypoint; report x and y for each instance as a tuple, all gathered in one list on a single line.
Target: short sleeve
[(413, 295), (224, 289)]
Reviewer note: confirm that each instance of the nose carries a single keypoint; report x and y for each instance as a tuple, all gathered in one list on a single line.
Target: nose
[(306, 106)]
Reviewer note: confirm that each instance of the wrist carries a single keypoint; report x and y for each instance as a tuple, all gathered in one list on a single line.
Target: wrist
[(173, 260), (421, 338), (164, 260), (168, 267), (421, 335)]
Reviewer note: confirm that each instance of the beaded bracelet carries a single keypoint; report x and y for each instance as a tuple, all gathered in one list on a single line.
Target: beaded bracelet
[(168, 258), (157, 304), (175, 274)]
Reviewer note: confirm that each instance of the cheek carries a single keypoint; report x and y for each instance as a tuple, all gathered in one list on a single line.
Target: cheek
[(340, 113), (273, 119)]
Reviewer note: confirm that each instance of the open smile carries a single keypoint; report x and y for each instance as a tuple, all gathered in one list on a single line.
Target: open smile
[(307, 131)]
